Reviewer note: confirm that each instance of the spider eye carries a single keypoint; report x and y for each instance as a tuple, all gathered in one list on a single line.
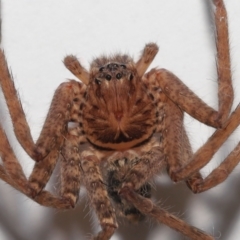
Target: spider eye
[(123, 66), (131, 77), (108, 77), (97, 81), (119, 75), (101, 69)]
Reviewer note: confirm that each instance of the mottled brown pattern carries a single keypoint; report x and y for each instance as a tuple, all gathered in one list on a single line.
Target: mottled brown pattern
[(118, 128), (70, 170), (98, 195)]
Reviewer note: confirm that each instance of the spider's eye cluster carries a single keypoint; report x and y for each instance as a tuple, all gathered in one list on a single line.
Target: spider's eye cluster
[(113, 71)]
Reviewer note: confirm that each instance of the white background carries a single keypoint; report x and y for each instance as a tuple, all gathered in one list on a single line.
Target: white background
[(36, 35)]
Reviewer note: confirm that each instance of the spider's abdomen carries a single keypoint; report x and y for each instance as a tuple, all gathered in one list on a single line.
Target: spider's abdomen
[(115, 178), (118, 112)]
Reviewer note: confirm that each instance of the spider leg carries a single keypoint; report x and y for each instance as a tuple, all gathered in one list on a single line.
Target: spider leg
[(181, 162), (70, 174), (148, 208), (54, 132), (225, 89), (62, 110), (42, 171), (98, 195), (44, 198), (173, 137), (11, 168), (11, 172), (206, 152), (56, 121), (70, 170), (219, 174), (185, 98), (187, 101), (21, 128), (176, 145)]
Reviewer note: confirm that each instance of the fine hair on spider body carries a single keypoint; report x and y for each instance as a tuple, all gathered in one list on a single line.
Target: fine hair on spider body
[(128, 127)]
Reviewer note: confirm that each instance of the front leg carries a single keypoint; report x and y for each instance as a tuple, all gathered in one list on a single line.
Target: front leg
[(187, 101), (20, 125), (185, 98), (65, 101), (175, 137), (63, 109), (54, 135)]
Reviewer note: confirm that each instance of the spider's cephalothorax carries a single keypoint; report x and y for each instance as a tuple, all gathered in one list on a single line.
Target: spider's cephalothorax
[(118, 112)]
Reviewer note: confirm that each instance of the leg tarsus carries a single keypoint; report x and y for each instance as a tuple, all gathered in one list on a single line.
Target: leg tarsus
[(106, 233), (193, 181)]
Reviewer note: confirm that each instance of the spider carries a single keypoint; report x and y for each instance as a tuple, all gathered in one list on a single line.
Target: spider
[(128, 126)]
